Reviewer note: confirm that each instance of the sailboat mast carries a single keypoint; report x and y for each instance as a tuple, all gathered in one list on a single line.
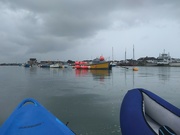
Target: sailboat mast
[(133, 52), (134, 68), (125, 55), (112, 55)]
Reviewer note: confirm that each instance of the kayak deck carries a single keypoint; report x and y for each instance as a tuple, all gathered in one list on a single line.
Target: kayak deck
[(31, 118)]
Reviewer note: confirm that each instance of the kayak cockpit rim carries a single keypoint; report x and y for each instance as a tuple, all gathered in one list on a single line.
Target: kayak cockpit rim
[(156, 114)]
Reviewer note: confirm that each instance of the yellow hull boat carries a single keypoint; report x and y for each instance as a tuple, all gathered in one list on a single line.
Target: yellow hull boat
[(103, 65)]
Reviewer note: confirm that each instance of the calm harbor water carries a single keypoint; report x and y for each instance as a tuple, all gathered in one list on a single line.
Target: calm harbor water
[(89, 100)]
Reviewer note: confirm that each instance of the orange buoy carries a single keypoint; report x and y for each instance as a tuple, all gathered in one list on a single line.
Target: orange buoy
[(135, 69)]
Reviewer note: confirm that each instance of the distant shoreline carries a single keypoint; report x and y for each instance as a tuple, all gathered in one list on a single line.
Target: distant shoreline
[(10, 64)]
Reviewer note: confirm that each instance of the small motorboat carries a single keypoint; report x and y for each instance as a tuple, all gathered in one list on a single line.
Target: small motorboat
[(45, 65), (56, 65), (31, 118), (26, 65), (144, 113)]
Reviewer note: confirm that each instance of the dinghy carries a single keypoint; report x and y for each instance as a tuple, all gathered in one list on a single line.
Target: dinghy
[(144, 113), (31, 118)]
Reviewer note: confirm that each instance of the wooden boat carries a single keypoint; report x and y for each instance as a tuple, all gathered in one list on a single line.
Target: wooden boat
[(31, 118), (144, 113)]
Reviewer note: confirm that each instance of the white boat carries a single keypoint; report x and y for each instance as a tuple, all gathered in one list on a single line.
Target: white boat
[(45, 65), (113, 64), (56, 65), (164, 59), (65, 65), (175, 62)]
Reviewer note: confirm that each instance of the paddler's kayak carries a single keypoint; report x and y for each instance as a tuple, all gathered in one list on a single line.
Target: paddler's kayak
[(31, 118)]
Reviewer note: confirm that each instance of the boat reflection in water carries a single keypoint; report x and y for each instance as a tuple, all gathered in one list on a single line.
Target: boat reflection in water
[(97, 74), (100, 74), (81, 72)]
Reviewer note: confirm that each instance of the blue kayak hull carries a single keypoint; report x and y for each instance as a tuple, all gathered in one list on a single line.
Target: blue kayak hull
[(31, 118)]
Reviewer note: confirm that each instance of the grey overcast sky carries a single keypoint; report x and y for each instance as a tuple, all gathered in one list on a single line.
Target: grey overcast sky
[(86, 29)]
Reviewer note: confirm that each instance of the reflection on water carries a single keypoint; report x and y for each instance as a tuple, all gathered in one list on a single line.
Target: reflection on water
[(164, 73), (81, 72), (89, 99), (153, 78), (99, 75), (129, 76)]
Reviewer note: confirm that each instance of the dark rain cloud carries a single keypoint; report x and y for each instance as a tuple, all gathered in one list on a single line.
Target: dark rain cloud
[(41, 26)]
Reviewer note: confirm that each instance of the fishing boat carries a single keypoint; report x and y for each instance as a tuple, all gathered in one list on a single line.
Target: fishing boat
[(98, 63), (102, 65), (31, 118), (144, 113)]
